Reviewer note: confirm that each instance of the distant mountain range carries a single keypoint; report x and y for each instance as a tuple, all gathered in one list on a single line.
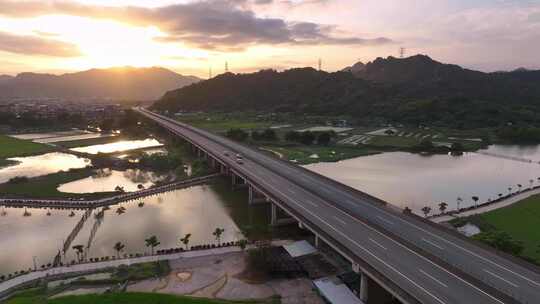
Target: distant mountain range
[(416, 89), (123, 83)]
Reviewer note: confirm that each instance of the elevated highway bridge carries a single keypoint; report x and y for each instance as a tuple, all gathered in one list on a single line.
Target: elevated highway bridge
[(415, 260)]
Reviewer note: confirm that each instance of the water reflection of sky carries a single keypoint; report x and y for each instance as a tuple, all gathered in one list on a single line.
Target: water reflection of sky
[(197, 210), (105, 180), (413, 180), (38, 235), (119, 146), (32, 166)]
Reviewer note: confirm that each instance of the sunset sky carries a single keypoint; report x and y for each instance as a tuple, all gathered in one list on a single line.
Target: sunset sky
[(191, 36)]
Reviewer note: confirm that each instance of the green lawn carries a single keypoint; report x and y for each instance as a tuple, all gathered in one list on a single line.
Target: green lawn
[(325, 154), (522, 221), (222, 122), (123, 298), (393, 141), (46, 186), (12, 147)]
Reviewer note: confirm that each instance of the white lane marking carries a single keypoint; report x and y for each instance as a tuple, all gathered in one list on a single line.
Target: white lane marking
[(432, 244), (291, 191), (311, 203), (433, 278), (500, 278), (377, 243), (472, 253), (385, 220), (340, 220), (399, 244), (367, 251)]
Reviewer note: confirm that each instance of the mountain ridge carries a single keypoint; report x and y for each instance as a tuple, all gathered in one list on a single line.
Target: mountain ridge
[(128, 83), (416, 90)]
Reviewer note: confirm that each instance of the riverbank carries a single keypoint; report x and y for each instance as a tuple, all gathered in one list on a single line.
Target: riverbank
[(488, 206)]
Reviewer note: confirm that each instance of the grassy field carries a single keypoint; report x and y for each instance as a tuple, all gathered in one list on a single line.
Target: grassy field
[(393, 141), (302, 154), (135, 298), (522, 221), (222, 122), (120, 298), (12, 147), (46, 186)]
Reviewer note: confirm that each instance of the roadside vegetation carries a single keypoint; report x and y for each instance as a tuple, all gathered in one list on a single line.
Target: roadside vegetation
[(125, 298), (510, 229), (46, 186), (13, 147)]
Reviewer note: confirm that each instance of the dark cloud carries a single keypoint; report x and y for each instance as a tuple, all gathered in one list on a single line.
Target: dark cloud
[(32, 45), (212, 25)]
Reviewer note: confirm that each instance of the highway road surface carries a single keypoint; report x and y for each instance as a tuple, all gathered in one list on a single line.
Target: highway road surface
[(400, 247)]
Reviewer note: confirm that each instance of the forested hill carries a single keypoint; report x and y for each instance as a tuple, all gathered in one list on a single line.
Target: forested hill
[(115, 83), (411, 90)]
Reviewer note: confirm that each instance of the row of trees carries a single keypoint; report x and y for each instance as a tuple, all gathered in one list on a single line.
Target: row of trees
[(426, 210), (306, 137), (152, 242)]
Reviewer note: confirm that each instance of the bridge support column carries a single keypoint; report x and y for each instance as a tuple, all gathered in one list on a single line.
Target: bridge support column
[(255, 197), (237, 181), (275, 220), (363, 287)]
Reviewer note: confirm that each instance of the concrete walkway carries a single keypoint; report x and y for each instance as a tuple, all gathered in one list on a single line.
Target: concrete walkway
[(503, 203), (8, 285), (63, 203)]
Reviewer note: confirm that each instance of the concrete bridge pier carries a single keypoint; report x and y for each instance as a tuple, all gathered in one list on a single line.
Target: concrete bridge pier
[(255, 197), (275, 219), (364, 283), (363, 287), (237, 181)]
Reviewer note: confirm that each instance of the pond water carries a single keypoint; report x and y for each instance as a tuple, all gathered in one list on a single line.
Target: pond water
[(106, 180), (198, 210), (413, 180), (43, 164), (119, 146)]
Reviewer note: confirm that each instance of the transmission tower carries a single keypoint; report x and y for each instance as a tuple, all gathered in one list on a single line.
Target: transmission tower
[(320, 64), (226, 67), (401, 52), (209, 72)]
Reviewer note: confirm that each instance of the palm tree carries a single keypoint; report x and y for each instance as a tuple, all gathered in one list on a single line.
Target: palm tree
[(121, 210), (26, 213), (243, 244), (458, 202), (79, 249), (152, 242), (442, 206), (475, 199), (217, 233), (119, 247), (426, 210), (185, 240)]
